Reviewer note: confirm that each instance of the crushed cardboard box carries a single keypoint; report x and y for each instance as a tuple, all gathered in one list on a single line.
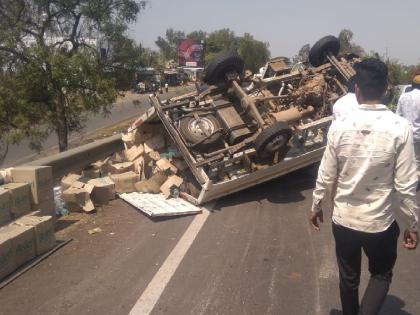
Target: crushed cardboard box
[(91, 172), (125, 182), (123, 167), (103, 190), (68, 180), (20, 195), (165, 165), (78, 199), (170, 187), (151, 185), (134, 152)]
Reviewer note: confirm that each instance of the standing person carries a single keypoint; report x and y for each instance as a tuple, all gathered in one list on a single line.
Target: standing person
[(347, 103), (409, 108), (368, 156), (166, 87)]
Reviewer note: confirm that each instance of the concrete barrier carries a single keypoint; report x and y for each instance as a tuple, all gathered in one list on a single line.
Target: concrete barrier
[(80, 157)]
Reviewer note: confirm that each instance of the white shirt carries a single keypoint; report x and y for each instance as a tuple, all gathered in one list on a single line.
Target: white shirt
[(409, 107), (369, 156), (345, 105)]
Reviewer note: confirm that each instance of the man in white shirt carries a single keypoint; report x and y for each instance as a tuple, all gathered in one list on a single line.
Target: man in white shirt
[(409, 108), (369, 155), (347, 103)]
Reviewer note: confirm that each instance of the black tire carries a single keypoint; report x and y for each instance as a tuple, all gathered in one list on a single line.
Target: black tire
[(193, 134), (222, 64), (273, 139), (318, 52)]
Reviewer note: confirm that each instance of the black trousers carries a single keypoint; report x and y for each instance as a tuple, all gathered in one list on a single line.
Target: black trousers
[(381, 250)]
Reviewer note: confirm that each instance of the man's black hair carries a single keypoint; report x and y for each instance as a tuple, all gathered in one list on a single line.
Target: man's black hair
[(350, 84), (371, 78)]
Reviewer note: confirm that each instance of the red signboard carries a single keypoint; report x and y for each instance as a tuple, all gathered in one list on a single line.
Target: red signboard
[(190, 53)]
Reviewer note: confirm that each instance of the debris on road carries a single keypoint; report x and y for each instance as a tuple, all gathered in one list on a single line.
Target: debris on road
[(95, 231), (155, 205)]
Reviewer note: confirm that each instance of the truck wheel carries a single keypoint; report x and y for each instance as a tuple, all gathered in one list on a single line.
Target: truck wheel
[(273, 139), (192, 132), (318, 52), (222, 64)]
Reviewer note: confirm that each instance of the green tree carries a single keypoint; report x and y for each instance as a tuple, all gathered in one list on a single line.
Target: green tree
[(218, 41), (168, 45), (303, 54), (254, 53), (52, 72)]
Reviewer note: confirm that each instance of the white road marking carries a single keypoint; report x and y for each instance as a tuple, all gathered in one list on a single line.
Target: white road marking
[(153, 291)]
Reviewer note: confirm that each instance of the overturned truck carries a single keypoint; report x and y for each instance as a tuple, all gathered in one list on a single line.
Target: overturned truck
[(237, 130)]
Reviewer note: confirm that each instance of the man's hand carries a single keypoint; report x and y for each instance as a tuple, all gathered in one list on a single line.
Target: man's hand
[(313, 218), (410, 239)]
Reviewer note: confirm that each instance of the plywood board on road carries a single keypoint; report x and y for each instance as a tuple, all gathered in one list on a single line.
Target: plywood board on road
[(155, 205)]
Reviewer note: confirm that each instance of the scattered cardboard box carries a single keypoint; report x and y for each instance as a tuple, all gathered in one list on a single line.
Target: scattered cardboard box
[(39, 178), (153, 156), (78, 199), (103, 190), (139, 167), (151, 185), (68, 180), (165, 165), (5, 214), (125, 182), (91, 173), (134, 152), (21, 196), (155, 144), (116, 158), (43, 229), (120, 168), (173, 182)]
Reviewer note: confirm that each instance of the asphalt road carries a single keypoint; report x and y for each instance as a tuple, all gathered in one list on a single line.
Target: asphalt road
[(255, 254), (124, 109)]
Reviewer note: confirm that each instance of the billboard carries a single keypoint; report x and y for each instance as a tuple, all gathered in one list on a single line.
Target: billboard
[(190, 53)]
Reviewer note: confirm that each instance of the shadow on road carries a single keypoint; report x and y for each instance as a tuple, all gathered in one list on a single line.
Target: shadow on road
[(393, 306), (284, 189)]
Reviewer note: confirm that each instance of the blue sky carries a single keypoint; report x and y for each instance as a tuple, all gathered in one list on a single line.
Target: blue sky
[(386, 25)]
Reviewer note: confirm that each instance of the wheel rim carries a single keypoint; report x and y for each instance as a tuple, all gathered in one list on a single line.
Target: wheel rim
[(277, 143), (195, 127)]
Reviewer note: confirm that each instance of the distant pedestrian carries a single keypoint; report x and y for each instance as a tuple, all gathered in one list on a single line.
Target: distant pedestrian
[(347, 103), (409, 108), (369, 156), (166, 87)]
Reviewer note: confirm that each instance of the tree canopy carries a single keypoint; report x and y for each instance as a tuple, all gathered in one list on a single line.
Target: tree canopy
[(53, 65)]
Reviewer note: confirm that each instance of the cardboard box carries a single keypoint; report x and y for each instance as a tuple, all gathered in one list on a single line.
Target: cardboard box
[(152, 185), (5, 214), (120, 168), (155, 144), (103, 190), (78, 199), (21, 198), (124, 183), (134, 152), (23, 242), (39, 178), (166, 166), (173, 182), (7, 259), (91, 173), (43, 228), (68, 180), (47, 207)]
